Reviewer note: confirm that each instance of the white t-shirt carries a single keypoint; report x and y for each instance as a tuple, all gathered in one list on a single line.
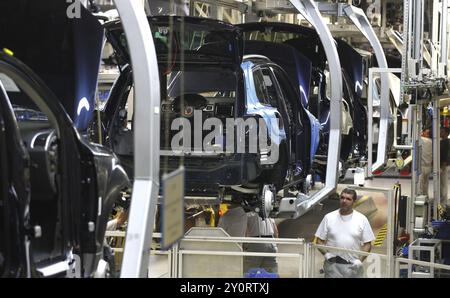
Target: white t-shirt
[(348, 231), (427, 152)]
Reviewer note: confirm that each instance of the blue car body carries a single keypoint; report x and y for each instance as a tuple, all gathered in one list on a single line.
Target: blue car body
[(272, 39)]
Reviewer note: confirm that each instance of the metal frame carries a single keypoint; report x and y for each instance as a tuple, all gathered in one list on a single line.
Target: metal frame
[(413, 54), (416, 76), (433, 249), (416, 122), (231, 4), (398, 261), (443, 59), (308, 9), (436, 157), (416, 126), (359, 19), (300, 242), (384, 105), (218, 9), (390, 223), (146, 138), (357, 16)]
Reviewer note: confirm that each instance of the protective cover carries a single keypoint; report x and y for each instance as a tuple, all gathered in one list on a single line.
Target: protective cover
[(62, 43)]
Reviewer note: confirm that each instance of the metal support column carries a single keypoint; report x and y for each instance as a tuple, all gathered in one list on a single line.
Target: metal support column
[(443, 59), (390, 235), (415, 168), (436, 157), (146, 142), (370, 124)]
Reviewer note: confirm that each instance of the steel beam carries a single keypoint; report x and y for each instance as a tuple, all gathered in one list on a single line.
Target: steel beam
[(146, 138), (357, 16), (308, 9)]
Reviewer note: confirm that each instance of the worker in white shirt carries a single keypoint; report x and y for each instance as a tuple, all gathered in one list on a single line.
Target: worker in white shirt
[(426, 161), (349, 229)]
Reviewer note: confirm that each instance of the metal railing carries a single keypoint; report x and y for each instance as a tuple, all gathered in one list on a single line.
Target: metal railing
[(306, 258), (177, 255), (434, 269), (297, 253)]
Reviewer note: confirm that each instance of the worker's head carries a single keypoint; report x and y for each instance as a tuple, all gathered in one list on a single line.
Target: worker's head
[(427, 132), (346, 200)]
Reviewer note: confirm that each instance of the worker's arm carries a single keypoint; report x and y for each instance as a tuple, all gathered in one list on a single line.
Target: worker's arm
[(367, 247), (321, 242)]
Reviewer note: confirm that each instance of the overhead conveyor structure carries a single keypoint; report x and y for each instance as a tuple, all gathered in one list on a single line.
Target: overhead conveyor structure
[(357, 16), (295, 207), (146, 141), (310, 11), (360, 20)]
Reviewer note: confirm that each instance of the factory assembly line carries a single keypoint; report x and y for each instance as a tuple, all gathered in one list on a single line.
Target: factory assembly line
[(205, 138)]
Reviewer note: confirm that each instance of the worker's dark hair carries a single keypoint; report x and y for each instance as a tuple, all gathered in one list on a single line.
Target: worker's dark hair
[(350, 192), (428, 127)]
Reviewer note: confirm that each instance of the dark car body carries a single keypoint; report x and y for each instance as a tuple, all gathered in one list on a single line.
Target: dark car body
[(298, 68), (208, 61), (58, 189), (306, 41)]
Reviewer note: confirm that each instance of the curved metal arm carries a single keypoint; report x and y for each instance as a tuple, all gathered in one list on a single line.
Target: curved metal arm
[(358, 17), (146, 141), (309, 10)]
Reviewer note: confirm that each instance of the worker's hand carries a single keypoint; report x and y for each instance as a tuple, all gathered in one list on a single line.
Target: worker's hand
[(356, 264), (327, 256)]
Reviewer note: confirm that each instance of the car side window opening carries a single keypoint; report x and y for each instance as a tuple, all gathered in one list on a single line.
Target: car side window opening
[(288, 98), (210, 90), (260, 87), (39, 136), (121, 134), (24, 108), (270, 87)]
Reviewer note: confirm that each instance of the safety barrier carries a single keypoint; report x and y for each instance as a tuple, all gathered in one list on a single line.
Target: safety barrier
[(214, 261), (217, 261), (295, 258), (420, 269)]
